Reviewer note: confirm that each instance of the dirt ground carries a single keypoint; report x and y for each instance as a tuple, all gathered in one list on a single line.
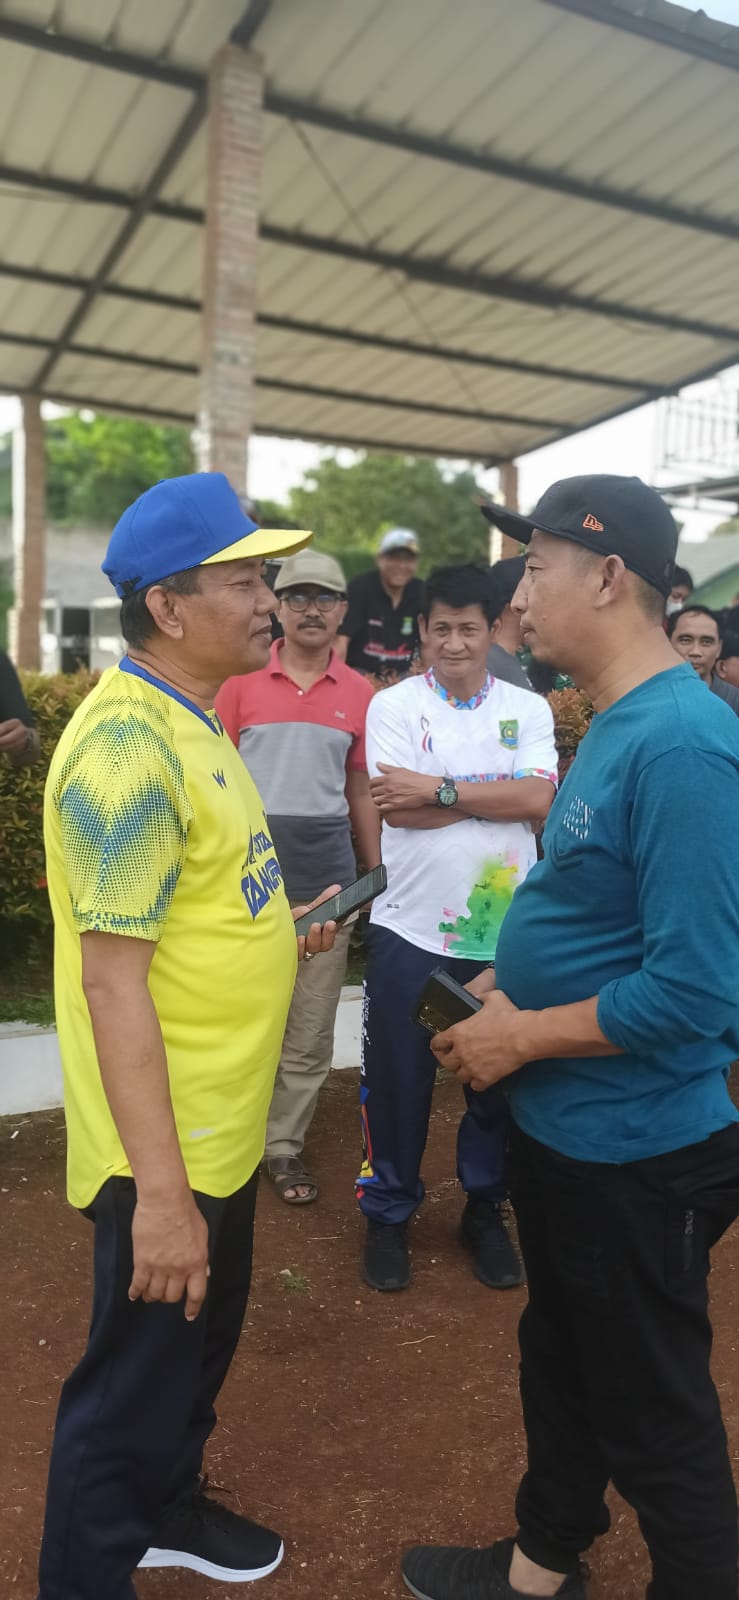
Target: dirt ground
[(353, 1422)]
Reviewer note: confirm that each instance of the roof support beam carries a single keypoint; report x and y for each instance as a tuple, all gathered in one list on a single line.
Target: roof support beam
[(701, 376), (119, 291), (426, 270), (284, 386), (244, 31), (425, 408), (393, 447), (448, 353), (492, 165), (96, 194), (350, 335), (185, 133), (130, 358), (99, 55), (687, 38), (403, 138), (501, 287), (187, 419)]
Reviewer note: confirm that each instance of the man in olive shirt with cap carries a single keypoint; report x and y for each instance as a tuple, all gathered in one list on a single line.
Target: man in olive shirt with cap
[(612, 1017)]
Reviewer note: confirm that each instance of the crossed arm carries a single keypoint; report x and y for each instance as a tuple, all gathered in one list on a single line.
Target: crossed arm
[(407, 799)]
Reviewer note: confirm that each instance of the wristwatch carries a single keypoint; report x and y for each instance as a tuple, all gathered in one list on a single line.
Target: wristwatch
[(446, 794)]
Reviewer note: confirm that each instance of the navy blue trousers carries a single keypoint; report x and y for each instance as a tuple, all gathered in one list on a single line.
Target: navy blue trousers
[(398, 1072), (135, 1414)]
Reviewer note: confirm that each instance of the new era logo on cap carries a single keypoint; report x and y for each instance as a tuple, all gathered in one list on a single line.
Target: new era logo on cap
[(592, 522)]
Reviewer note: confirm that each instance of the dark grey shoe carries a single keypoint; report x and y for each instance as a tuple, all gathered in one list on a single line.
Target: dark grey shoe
[(494, 1256), (385, 1263), (210, 1539), (439, 1572)]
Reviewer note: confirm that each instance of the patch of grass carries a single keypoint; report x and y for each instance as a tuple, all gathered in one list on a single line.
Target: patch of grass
[(355, 968), (37, 1009), (294, 1281)]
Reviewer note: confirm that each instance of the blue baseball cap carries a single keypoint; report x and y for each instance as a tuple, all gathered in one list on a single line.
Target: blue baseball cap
[(188, 522)]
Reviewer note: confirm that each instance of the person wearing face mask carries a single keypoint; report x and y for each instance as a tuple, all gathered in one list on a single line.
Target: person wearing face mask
[(679, 595), (299, 726), (695, 634)]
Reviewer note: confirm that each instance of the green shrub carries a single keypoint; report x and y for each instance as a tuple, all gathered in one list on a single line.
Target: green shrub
[(24, 902)]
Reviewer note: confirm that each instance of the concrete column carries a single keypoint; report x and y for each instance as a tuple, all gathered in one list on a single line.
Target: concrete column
[(235, 86), (500, 545), (29, 535), (509, 484)]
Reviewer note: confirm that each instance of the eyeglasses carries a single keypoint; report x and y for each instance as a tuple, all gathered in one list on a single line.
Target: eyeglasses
[(301, 602)]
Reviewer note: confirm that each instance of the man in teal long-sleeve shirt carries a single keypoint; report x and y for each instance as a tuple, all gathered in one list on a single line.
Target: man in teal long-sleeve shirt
[(613, 1017)]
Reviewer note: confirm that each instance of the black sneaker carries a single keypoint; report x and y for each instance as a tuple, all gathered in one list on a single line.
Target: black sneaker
[(208, 1538), (385, 1264), (438, 1572), (494, 1258)]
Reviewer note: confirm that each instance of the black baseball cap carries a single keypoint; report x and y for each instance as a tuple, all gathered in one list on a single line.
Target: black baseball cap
[(611, 515)]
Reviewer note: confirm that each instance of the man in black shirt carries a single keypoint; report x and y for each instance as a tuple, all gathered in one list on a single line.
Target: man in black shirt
[(379, 634), (19, 740)]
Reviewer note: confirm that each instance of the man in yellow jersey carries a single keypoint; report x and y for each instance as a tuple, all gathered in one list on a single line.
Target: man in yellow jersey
[(175, 962)]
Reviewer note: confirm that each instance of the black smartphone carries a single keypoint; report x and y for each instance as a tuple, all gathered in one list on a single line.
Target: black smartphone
[(444, 1002), (341, 905)]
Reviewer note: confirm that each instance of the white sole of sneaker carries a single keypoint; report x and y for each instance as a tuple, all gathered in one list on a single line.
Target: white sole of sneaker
[(208, 1569), (417, 1592)]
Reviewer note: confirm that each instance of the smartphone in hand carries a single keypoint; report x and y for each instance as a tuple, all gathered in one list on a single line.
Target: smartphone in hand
[(444, 1002), (341, 905)]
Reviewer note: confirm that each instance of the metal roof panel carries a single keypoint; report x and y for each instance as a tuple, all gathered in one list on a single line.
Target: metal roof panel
[(546, 96)]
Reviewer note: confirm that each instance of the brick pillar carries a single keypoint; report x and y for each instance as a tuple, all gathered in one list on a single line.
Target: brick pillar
[(509, 484), (235, 86), (29, 535), (509, 493)]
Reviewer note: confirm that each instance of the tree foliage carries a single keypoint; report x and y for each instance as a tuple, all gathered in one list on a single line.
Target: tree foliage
[(97, 465), (349, 507)]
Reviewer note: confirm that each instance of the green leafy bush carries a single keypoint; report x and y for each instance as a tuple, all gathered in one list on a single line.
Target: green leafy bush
[(573, 714), (24, 902)]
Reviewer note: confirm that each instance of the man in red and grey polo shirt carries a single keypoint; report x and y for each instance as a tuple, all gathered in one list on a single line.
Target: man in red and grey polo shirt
[(299, 726)]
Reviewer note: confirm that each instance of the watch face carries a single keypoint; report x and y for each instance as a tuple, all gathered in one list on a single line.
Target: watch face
[(446, 794)]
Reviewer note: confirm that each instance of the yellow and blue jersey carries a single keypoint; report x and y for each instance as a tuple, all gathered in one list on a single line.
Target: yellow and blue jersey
[(154, 830)]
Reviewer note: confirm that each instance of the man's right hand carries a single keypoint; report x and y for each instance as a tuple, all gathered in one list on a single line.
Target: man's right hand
[(170, 1253)]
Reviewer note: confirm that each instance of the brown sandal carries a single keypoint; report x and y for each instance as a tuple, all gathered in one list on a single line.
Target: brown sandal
[(288, 1172)]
